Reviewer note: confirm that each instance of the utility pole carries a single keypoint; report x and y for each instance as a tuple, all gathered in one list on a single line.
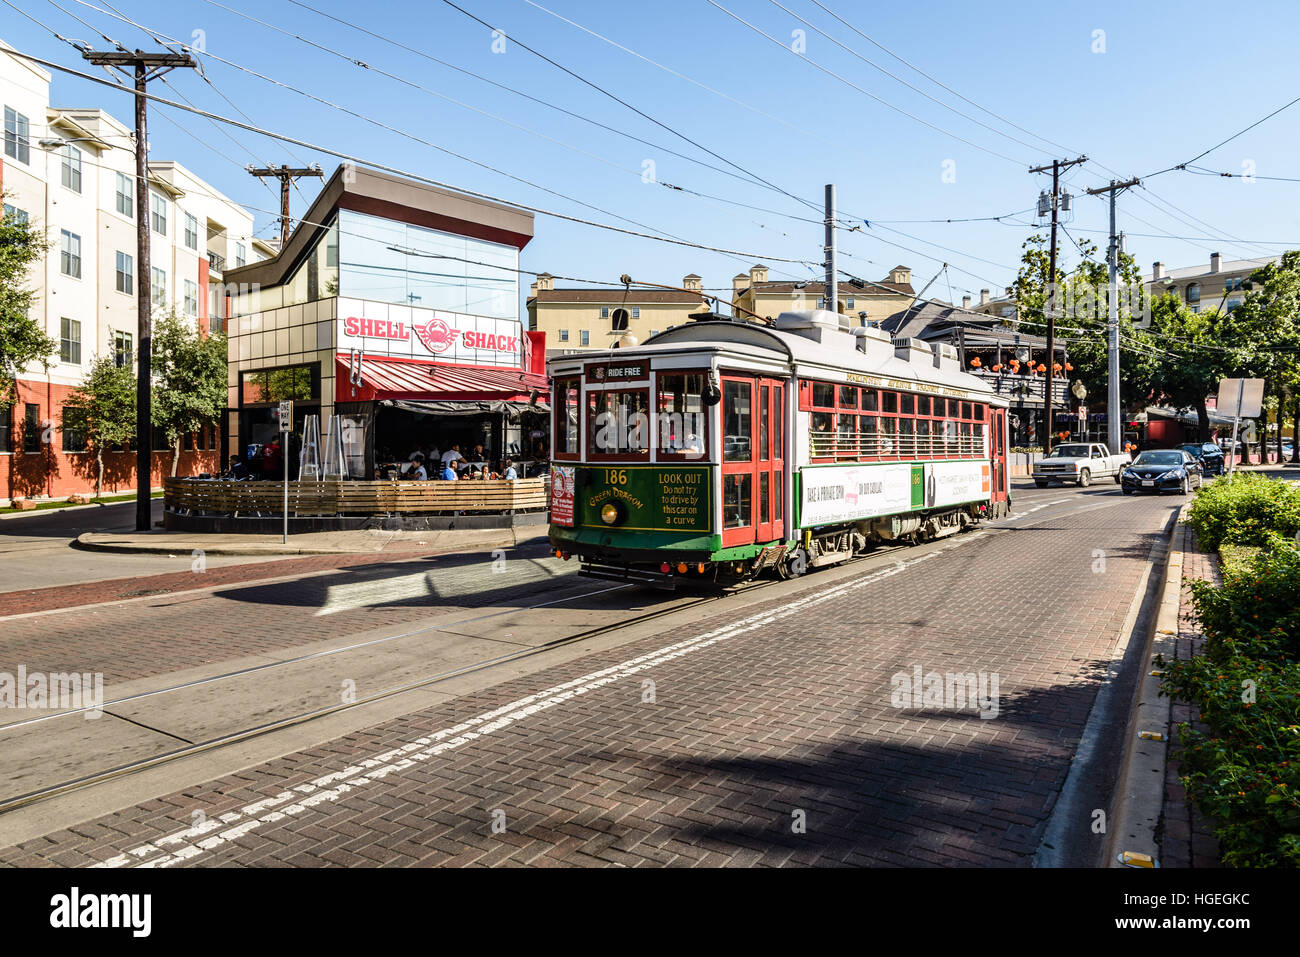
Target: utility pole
[(286, 175), (1114, 426), (143, 67), (1055, 204), (832, 290)]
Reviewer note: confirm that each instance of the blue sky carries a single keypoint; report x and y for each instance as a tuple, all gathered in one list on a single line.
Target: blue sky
[(1174, 79)]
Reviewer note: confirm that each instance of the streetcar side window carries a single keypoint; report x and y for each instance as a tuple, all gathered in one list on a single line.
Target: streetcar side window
[(823, 395), (737, 421), (909, 404), (870, 400), (889, 402), (922, 405), (566, 417), (682, 421), (848, 397)]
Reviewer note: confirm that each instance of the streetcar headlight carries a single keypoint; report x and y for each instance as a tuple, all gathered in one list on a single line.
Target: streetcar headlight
[(609, 513)]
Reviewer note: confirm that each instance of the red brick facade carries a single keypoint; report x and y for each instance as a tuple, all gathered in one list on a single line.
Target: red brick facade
[(50, 472)]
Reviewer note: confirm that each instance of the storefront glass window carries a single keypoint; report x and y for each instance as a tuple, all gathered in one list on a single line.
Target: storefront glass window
[(299, 383), (387, 261)]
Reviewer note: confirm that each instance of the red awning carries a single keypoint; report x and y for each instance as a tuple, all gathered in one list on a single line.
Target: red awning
[(411, 379)]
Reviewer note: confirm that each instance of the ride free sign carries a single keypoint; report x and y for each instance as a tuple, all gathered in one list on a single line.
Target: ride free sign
[(655, 498)]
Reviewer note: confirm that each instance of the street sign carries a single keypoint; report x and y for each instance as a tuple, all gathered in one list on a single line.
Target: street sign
[(1243, 398), (286, 415)]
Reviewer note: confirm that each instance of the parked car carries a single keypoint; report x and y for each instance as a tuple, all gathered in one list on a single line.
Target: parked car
[(1208, 454), (1162, 470), (1078, 463)]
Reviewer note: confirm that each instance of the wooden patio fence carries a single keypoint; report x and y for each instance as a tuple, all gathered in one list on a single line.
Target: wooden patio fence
[(209, 497)]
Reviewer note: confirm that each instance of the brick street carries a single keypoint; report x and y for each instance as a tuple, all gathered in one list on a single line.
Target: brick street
[(770, 738)]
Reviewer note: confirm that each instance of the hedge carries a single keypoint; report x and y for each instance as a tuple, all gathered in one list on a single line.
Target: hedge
[(1244, 511)]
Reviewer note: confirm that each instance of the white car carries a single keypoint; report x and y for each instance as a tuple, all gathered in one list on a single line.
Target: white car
[(1079, 463)]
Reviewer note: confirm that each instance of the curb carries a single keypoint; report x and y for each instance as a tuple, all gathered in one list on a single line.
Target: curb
[(106, 542), (1140, 791)]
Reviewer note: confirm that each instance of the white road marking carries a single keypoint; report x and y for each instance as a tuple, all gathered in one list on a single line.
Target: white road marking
[(185, 844)]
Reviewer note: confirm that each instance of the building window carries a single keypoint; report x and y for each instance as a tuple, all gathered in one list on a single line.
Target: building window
[(1232, 285), (70, 175), (636, 312), (69, 254), (17, 130), (31, 427), (821, 302), (240, 258), (564, 335), (1233, 303), (74, 440), (654, 332), (70, 341), (123, 354), (191, 298), (584, 338), (158, 214), (14, 213), (158, 287), (604, 312), (1193, 292), (619, 321), (848, 303), (191, 232), (125, 273), (126, 195), (6, 424)]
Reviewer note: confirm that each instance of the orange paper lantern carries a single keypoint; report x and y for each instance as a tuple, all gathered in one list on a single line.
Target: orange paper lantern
[(975, 362), (1041, 367), (998, 367)]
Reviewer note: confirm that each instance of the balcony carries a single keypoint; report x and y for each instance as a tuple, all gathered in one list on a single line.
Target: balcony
[(1023, 389), (216, 262)]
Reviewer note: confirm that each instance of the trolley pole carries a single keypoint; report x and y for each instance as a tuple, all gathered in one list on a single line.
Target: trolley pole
[(1048, 423), (1114, 425), (832, 290), (143, 67)]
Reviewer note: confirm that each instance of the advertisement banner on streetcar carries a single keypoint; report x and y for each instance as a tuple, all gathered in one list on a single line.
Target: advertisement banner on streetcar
[(954, 483), (841, 493), (562, 495)]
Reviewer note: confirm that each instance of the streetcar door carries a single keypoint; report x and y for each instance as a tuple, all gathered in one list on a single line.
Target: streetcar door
[(998, 447), (739, 461), (771, 459)]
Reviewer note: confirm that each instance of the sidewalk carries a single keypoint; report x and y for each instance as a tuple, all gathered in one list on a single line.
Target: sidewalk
[(360, 542), (1186, 837)]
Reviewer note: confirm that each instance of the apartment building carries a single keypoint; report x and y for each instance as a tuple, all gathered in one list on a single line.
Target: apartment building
[(578, 319), (1219, 285), (71, 171), (859, 299)]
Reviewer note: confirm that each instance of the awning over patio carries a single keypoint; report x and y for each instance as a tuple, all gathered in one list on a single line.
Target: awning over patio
[(427, 383)]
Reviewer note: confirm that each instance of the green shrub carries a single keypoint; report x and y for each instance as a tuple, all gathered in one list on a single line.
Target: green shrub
[(1244, 511), (1244, 771)]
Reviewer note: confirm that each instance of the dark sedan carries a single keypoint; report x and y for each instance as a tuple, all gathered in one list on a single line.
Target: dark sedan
[(1163, 470), (1208, 454)]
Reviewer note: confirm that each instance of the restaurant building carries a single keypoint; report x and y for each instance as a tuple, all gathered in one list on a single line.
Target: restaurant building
[(394, 305)]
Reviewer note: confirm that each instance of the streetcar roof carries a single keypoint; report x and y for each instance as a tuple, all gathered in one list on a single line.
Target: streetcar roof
[(813, 343)]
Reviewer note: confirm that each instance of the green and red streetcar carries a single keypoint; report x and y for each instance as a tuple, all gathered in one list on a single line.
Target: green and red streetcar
[(723, 449)]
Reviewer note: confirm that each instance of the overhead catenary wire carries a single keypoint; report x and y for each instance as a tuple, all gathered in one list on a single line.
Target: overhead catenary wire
[(813, 63)]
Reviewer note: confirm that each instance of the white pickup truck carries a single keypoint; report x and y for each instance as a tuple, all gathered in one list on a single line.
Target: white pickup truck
[(1078, 462)]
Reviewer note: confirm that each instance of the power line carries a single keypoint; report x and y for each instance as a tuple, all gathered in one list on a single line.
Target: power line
[(847, 82), (938, 82), (598, 88), (894, 76), (397, 171)]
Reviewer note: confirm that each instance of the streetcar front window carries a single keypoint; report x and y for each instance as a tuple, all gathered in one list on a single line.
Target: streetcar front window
[(618, 422), (737, 421)]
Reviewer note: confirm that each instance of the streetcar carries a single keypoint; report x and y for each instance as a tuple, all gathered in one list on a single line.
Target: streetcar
[(724, 449)]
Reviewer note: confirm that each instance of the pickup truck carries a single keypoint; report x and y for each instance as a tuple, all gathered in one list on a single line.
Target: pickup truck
[(1078, 462)]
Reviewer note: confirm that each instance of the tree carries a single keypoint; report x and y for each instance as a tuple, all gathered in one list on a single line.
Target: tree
[(1081, 309), (102, 409), (189, 380), (1264, 331), (22, 340), (1197, 356)]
